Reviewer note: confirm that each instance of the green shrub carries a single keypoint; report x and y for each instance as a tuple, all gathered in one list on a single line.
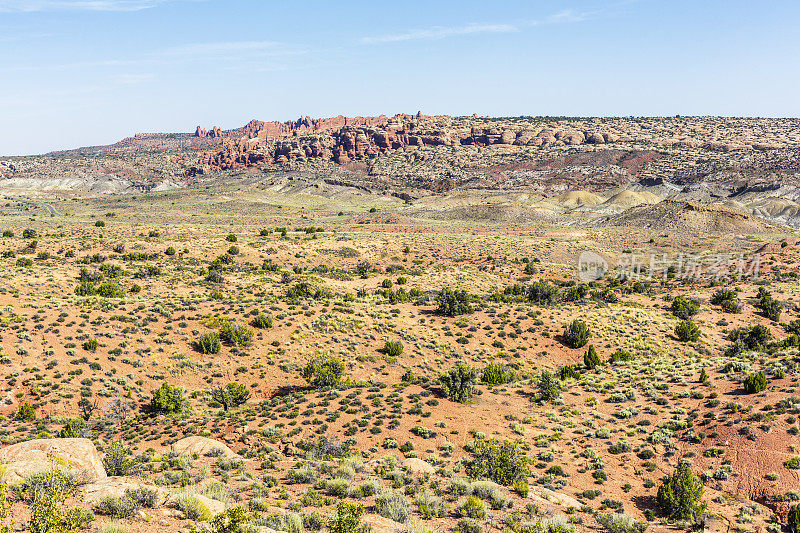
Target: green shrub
[(29, 234), (117, 507), (458, 384), (680, 493), (347, 518), (530, 268), (453, 303), (731, 306), (232, 395), (393, 505), (262, 321), (793, 519), (620, 523), (576, 334), (543, 293), (684, 308), (793, 463), (170, 251), (429, 505), (85, 289), (472, 507), (548, 385), (408, 377), (687, 331), (721, 295), (209, 343), (468, 525), (231, 238), (497, 374), (24, 262), (214, 276), (591, 359), (620, 356), (117, 459), (143, 496), (47, 495), (235, 334), (232, 520), (75, 427), (393, 348), (769, 306), (167, 399), (568, 372), (110, 289), (193, 509), (26, 412), (755, 383), (502, 462), (324, 370), (90, 345)]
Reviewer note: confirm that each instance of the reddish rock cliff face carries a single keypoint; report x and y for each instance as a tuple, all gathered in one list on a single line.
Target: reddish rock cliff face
[(345, 139), (340, 139)]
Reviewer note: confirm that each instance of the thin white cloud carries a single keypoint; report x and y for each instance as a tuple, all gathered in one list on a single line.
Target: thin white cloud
[(33, 6), (228, 48), (568, 15), (440, 32)]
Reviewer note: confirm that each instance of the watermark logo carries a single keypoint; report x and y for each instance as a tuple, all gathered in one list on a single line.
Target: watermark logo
[(648, 267), (591, 266)]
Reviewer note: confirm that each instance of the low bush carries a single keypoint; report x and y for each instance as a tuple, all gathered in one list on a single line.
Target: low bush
[(459, 383), (576, 334)]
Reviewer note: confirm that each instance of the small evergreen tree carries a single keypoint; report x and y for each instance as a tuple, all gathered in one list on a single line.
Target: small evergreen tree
[(231, 395), (459, 383), (167, 399), (687, 331), (324, 370), (684, 308), (393, 348), (453, 303), (680, 493), (755, 383), (549, 387), (591, 359), (576, 334), (503, 462)]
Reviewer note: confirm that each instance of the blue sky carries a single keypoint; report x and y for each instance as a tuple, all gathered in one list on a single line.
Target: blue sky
[(75, 73)]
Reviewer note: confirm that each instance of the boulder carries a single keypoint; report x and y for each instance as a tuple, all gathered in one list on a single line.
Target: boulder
[(595, 138), (201, 446), (214, 506), (33, 456), (116, 487), (418, 466), (507, 137)]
